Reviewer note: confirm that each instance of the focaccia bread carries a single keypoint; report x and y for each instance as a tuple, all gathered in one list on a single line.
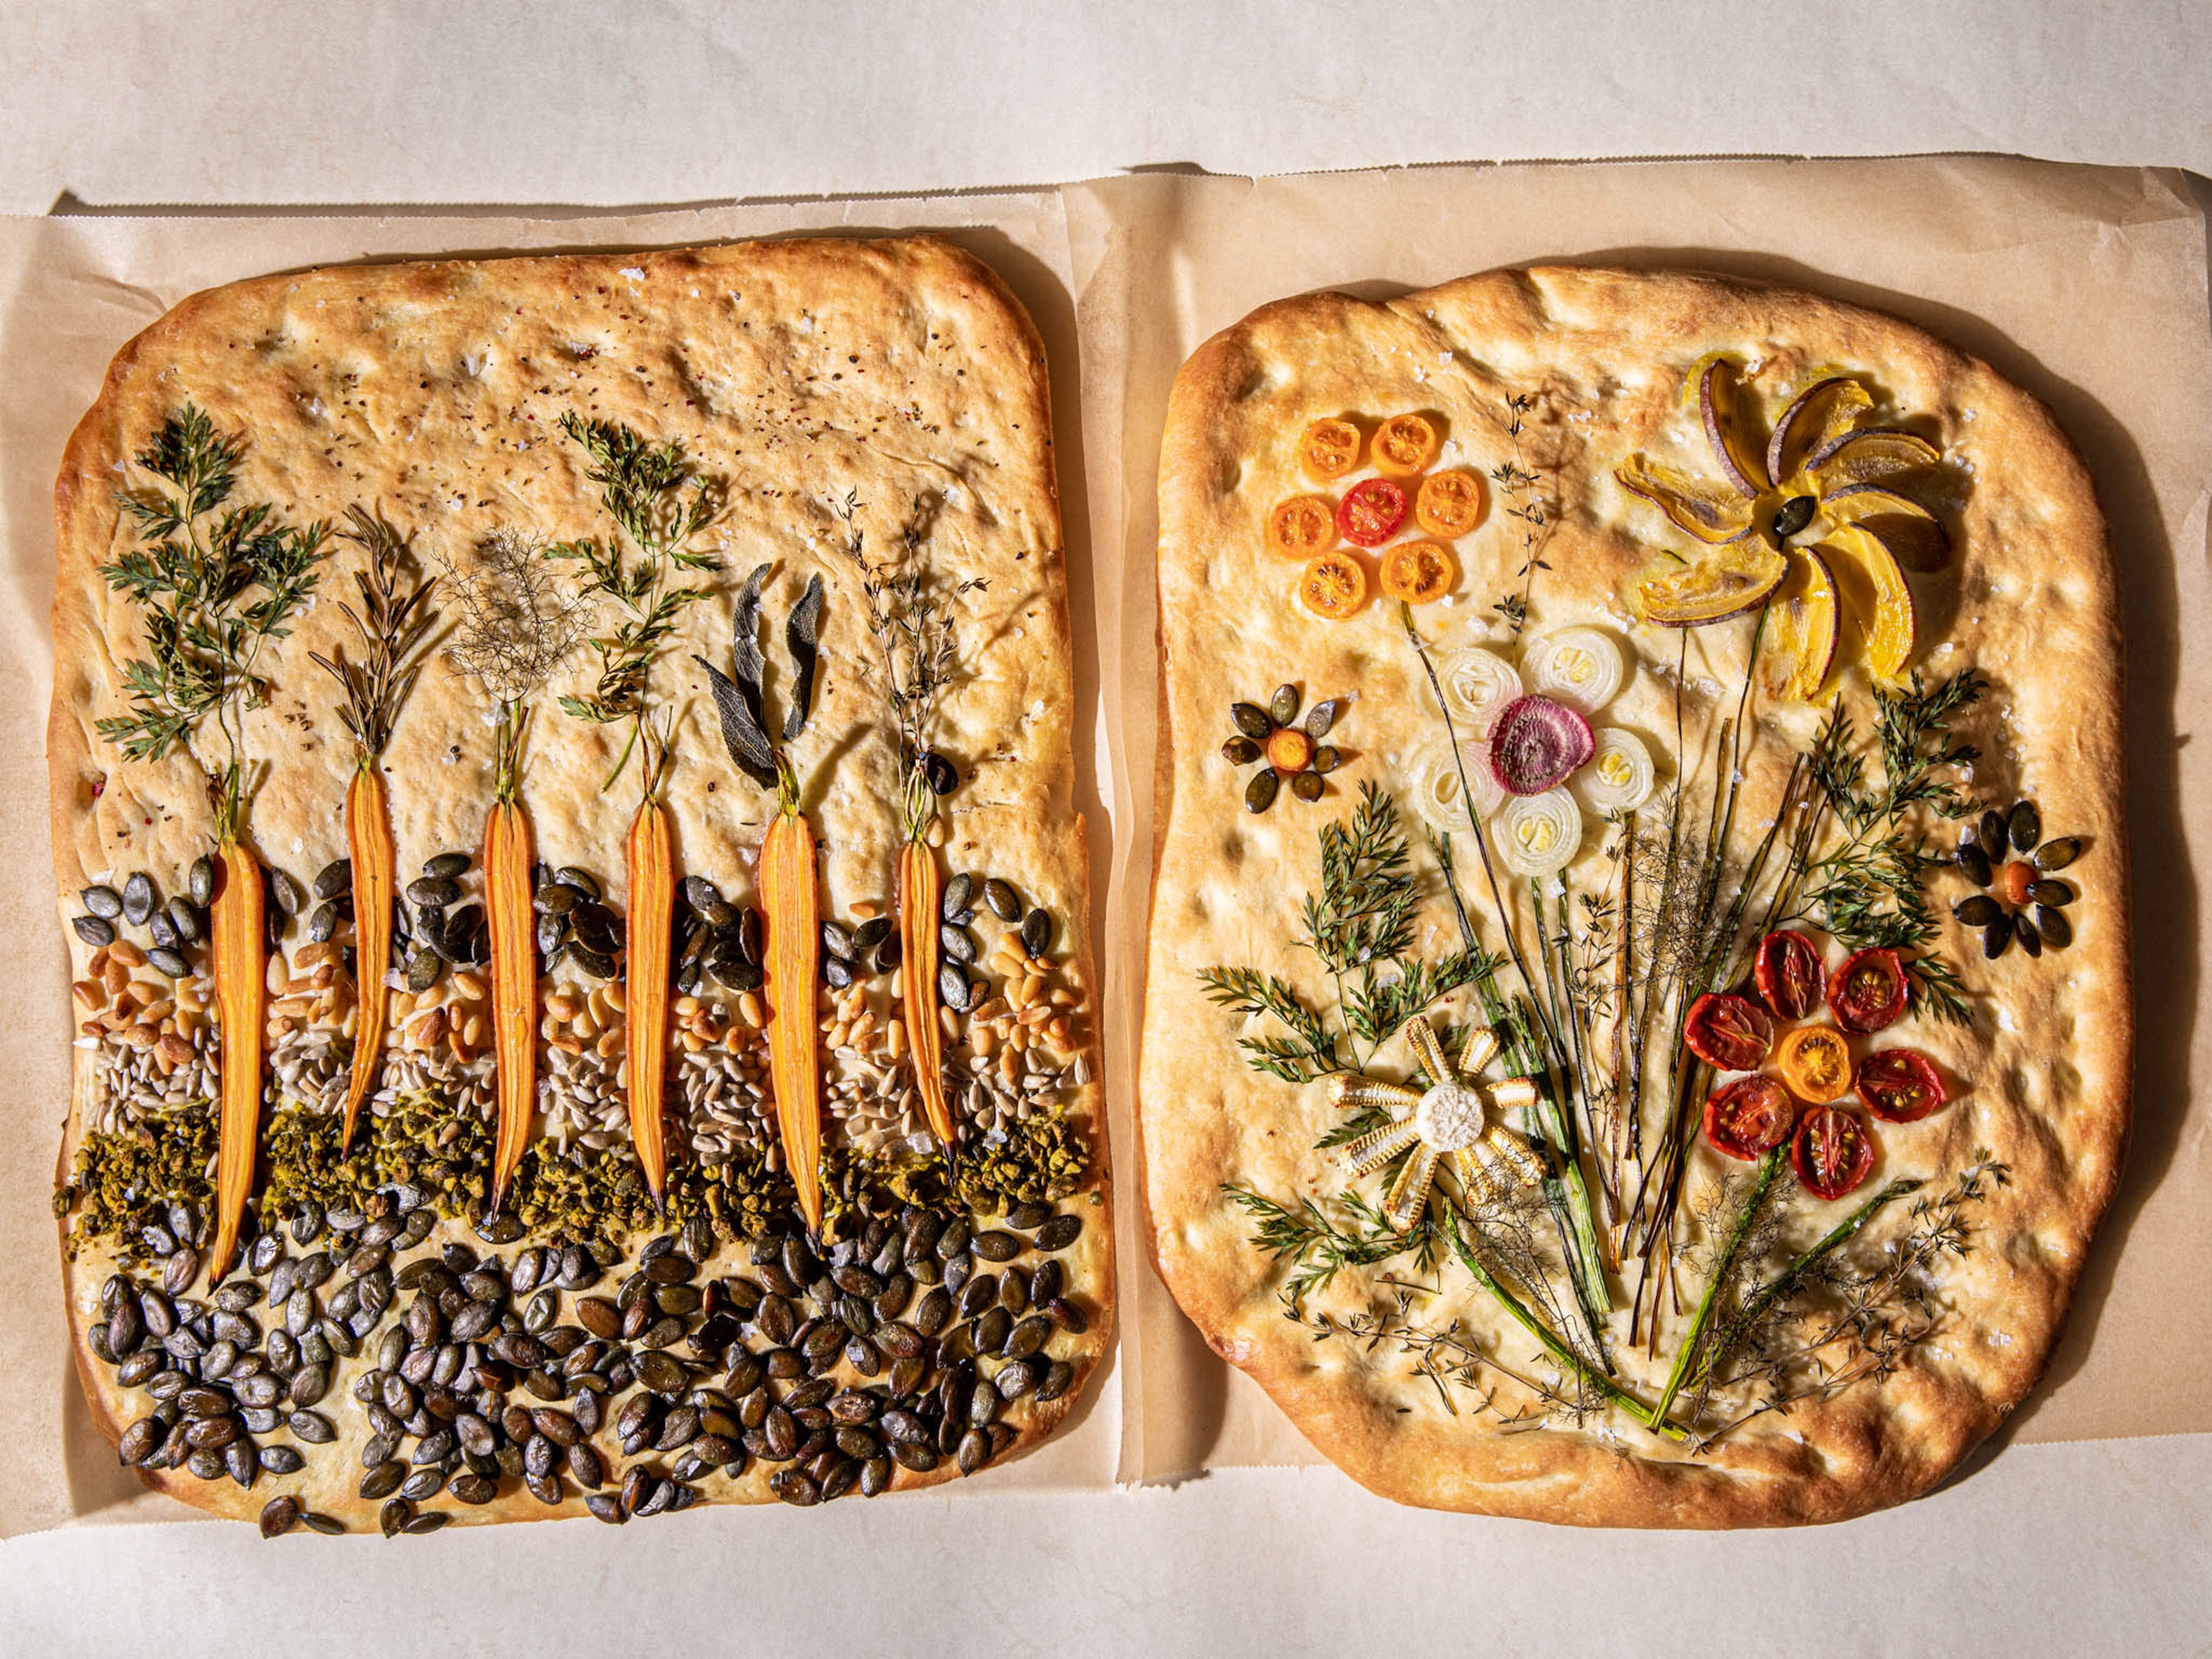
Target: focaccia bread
[(1779, 648), (590, 576)]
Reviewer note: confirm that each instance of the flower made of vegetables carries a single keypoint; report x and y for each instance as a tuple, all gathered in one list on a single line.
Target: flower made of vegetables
[(1811, 1067), (1452, 1118), (1808, 522), (1293, 752), (2009, 856), (1530, 756), (1335, 536)]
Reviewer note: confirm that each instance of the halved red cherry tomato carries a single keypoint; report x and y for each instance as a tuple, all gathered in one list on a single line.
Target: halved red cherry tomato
[(1728, 1032), (1749, 1116), (1790, 972), (1900, 1085), (1831, 1151), (1370, 512), (1868, 991)]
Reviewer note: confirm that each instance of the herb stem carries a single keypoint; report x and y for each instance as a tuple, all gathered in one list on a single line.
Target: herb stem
[(1693, 1342)]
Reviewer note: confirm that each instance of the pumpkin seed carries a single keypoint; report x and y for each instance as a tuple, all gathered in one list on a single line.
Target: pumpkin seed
[(199, 880), (1977, 911), (1306, 786), (1282, 706), (103, 901), (1995, 936), (1260, 793), (1975, 863), (2030, 940), (1251, 719), (94, 931), (2058, 931), (2058, 854), (1006, 903), (138, 898), (2025, 826)]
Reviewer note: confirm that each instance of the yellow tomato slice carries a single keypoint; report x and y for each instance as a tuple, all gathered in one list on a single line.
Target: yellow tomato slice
[(1328, 449), (1815, 1061), (1448, 504), (1417, 572), (1333, 585), (1404, 444), (1301, 527)]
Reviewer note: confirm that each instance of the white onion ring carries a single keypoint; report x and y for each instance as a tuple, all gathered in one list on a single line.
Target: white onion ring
[(1619, 777), (1580, 667), (1538, 834), (1478, 684), (1435, 789)]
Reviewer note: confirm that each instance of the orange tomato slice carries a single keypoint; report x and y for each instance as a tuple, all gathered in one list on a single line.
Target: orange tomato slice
[(1404, 444), (1301, 527), (1333, 586), (1815, 1061), (1417, 572), (1328, 449), (1448, 504)]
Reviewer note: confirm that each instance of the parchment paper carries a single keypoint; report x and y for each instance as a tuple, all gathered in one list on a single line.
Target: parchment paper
[(72, 290), (2085, 285)]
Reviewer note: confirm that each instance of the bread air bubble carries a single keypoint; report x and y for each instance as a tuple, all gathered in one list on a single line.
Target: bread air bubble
[(1620, 776), (1478, 684), (1538, 834), (1577, 667)]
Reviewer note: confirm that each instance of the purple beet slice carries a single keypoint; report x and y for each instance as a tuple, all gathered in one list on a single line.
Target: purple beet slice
[(1537, 744)]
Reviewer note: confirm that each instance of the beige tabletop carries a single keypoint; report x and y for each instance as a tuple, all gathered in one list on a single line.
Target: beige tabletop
[(551, 107)]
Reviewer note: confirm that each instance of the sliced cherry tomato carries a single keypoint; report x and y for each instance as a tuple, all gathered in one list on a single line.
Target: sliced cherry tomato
[(1333, 585), (1831, 1151), (1448, 504), (1301, 527), (1815, 1061), (1728, 1032), (1370, 512), (2018, 879), (1900, 1085), (1404, 444), (1417, 572), (1749, 1116), (1868, 991), (1328, 449), (1789, 973)]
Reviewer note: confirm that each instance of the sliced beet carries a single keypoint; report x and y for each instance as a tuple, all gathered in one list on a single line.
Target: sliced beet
[(1537, 744)]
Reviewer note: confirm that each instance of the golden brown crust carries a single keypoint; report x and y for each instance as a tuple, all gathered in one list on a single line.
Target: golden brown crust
[(2042, 1078), (795, 370)]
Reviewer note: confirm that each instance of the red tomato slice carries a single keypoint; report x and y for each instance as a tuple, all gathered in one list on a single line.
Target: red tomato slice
[(1868, 991), (1900, 1085), (1749, 1116), (1831, 1151), (1791, 974), (1728, 1032), (1370, 512)]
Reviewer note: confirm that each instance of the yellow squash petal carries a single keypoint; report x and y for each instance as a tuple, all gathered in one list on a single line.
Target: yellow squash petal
[(1876, 600), (1722, 582), (1727, 415), (1802, 627), (1914, 535), (1872, 454), (1816, 418)]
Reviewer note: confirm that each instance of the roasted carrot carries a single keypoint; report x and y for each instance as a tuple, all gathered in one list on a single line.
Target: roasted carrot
[(241, 998), (917, 900), (645, 981), (368, 837), (510, 928), (794, 946)]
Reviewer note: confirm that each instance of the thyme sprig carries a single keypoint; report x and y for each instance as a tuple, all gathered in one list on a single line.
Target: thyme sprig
[(911, 620), (197, 564), (1449, 1358), (394, 626), (660, 504), (1516, 485)]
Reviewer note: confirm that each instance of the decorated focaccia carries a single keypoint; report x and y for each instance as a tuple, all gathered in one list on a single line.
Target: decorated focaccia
[(1637, 1027), (562, 802)]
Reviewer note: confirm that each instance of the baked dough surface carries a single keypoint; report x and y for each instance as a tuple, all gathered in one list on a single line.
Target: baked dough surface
[(2042, 1078), (796, 374)]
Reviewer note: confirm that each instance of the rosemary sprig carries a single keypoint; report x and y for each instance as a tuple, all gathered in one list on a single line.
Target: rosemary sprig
[(1870, 889), (394, 628), (197, 565), (660, 505)]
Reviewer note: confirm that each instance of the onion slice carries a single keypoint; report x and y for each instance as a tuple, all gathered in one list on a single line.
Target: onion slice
[(1577, 667), (1538, 834), (1436, 784), (1537, 744), (1620, 776), (1478, 686)]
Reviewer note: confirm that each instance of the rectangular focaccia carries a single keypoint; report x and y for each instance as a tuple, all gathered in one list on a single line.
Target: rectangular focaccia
[(1638, 1026), (707, 547)]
